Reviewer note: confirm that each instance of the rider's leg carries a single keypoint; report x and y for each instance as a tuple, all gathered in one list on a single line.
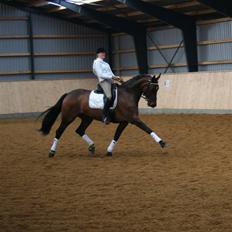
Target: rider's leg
[(145, 128), (86, 121), (106, 86), (117, 135)]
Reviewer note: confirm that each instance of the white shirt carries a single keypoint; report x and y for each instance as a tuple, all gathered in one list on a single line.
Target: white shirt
[(102, 70)]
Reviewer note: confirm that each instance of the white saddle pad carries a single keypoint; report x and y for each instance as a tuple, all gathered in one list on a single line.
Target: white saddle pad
[(96, 100)]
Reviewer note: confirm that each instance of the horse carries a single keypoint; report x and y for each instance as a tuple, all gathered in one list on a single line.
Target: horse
[(75, 104)]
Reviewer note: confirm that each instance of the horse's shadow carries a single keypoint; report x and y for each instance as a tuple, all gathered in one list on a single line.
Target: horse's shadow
[(139, 153)]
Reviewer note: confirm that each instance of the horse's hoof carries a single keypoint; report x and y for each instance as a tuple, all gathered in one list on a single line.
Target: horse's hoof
[(109, 153), (51, 154), (163, 144), (91, 149)]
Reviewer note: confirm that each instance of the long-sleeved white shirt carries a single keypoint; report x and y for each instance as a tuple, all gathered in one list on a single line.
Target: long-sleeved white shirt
[(102, 70)]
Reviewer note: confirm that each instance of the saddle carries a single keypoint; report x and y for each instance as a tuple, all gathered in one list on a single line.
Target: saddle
[(97, 97)]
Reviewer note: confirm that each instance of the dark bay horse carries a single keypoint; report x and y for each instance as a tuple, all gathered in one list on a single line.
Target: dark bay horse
[(75, 104)]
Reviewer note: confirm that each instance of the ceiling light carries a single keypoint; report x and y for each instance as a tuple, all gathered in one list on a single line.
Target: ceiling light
[(82, 2), (54, 4), (42, 4)]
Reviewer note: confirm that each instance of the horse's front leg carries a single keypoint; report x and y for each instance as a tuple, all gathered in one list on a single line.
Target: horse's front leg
[(140, 124), (121, 127)]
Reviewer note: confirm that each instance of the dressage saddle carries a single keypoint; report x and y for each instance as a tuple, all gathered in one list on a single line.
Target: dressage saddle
[(99, 90)]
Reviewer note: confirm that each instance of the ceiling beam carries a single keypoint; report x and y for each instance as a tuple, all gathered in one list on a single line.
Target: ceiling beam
[(170, 17), (138, 31), (117, 23), (222, 6), (186, 23)]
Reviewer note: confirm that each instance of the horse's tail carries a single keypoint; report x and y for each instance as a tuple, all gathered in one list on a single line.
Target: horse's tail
[(51, 115)]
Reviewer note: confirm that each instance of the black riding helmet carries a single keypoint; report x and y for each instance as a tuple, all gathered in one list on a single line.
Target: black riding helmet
[(100, 50)]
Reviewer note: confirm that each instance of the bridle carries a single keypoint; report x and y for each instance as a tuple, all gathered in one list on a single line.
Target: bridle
[(150, 83)]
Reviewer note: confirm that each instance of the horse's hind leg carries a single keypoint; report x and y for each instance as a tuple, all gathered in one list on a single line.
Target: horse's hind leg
[(59, 132), (86, 121)]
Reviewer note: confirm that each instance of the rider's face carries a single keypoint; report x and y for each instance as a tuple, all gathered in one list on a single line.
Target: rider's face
[(101, 55)]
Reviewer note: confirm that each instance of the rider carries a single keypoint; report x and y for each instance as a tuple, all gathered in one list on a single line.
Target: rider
[(105, 77)]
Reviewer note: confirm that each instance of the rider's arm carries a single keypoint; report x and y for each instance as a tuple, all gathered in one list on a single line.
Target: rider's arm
[(114, 77)]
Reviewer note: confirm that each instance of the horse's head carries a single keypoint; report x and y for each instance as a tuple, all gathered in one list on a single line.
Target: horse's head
[(151, 90)]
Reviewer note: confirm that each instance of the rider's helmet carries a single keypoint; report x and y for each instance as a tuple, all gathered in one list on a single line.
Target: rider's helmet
[(100, 50)]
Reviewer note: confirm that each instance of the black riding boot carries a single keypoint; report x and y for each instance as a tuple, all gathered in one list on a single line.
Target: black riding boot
[(106, 111)]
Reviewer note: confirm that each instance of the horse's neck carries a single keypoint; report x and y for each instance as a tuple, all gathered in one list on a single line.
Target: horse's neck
[(137, 88)]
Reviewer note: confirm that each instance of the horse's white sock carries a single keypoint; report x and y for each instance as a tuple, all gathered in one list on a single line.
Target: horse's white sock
[(87, 139), (155, 137), (54, 144), (111, 146)]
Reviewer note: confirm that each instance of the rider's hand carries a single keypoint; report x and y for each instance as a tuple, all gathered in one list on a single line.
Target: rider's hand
[(121, 79), (118, 78)]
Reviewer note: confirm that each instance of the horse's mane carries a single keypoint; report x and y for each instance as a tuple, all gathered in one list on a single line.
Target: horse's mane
[(131, 82)]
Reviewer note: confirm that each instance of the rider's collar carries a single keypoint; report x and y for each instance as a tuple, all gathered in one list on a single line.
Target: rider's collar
[(98, 58)]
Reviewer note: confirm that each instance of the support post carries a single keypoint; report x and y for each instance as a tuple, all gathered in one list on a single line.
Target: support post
[(110, 53), (140, 41), (190, 42), (31, 47)]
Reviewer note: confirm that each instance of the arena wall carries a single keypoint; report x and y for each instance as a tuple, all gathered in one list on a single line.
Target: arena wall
[(205, 92)]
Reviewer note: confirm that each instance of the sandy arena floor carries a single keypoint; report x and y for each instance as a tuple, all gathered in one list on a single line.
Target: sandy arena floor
[(186, 187)]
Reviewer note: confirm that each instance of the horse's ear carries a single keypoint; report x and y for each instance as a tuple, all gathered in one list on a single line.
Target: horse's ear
[(154, 78), (158, 77)]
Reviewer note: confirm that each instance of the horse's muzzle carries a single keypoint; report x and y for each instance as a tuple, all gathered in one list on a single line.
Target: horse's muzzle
[(153, 105)]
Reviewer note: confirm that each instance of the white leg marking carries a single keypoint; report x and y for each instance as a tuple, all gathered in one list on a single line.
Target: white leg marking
[(155, 137), (54, 144), (111, 146), (87, 139)]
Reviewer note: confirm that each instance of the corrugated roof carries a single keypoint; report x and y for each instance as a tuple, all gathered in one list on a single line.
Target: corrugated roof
[(192, 8)]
